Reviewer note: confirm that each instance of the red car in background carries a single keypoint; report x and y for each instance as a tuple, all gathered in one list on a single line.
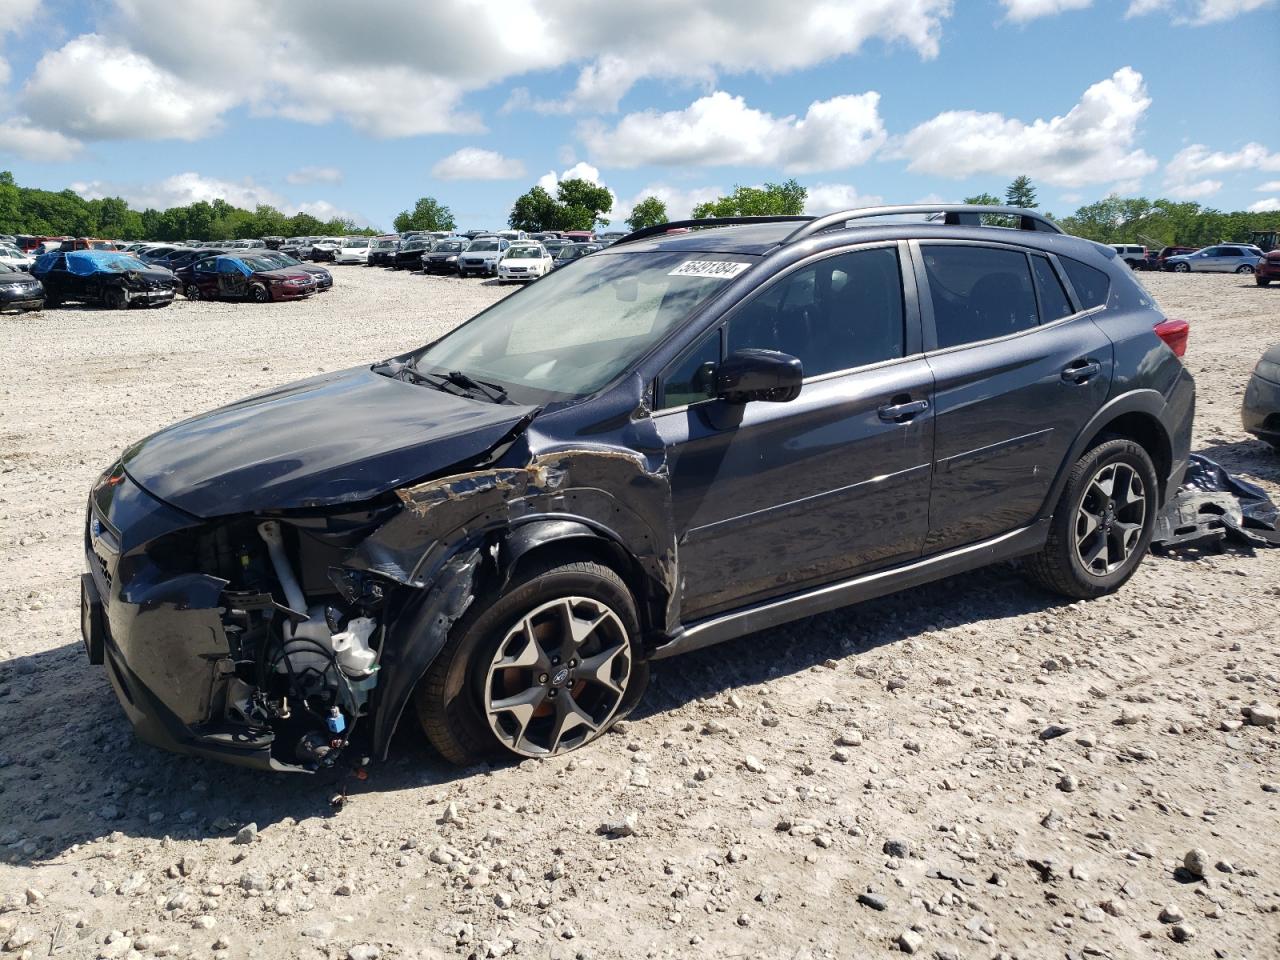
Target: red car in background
[(247, 277), (1267, 269)]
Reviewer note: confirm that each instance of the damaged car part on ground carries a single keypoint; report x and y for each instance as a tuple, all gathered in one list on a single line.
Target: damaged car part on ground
[(644, 453)]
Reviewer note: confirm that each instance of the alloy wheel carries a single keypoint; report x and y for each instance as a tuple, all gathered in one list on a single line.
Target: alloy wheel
[(558, 677), (192, 292), (1244, 268), (1110, 519)]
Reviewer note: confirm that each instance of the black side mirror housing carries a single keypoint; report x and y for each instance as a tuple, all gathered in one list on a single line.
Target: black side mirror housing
[(750, 374)]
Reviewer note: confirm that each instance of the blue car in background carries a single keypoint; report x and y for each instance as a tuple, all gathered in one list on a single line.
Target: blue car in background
[(106, 277)]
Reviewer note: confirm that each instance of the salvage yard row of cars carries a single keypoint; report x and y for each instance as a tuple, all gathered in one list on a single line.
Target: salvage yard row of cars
[(1245, 258)]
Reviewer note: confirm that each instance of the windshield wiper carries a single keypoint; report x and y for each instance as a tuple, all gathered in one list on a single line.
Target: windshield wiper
[(491, 390)]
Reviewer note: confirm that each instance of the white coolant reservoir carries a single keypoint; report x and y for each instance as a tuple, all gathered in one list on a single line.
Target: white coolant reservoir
[(351, 646)]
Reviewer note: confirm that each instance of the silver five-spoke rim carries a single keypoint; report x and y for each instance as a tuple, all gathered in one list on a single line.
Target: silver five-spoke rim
[(558, 677), (1110, 519)]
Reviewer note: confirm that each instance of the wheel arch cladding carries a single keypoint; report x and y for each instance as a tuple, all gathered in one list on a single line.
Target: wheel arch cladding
[(1135, 416), (607, 488)]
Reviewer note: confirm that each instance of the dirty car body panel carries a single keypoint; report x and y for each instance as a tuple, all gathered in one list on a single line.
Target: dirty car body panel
[(388, 500)]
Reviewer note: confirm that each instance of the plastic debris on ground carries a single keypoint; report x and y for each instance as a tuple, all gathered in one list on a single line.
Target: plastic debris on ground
[(1212, 506)]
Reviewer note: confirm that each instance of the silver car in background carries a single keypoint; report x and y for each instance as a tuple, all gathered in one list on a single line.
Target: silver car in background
[(1220, 258)]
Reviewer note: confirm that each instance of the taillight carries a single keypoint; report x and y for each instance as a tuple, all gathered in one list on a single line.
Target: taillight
[(1174, 333)]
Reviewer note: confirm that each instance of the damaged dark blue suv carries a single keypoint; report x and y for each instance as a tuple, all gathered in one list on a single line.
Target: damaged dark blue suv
[(691, 435)]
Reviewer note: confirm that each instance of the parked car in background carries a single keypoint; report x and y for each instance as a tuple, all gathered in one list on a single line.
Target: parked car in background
[(523, 261), (443, 257), (610, 237), (482, 256), (408, 255), (1261, 410), (179, 259), (324, 279), (247, 276), (273, 243), (555, 244), (13, 257), (1162, 257), (382, 250), (571, 252), (580, 236), (352, 250), (19, 291), (156, 252), (1134, 254), (1267, 269), (511, 236), (111, 278), (325, 248), (1221, 258), (87, 243)]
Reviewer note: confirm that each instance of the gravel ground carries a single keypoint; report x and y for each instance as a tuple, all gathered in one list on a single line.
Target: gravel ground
[(974, 769)]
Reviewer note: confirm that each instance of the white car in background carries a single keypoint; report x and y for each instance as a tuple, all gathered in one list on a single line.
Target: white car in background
[(525, 260), (13, 257), (353, 250), (482, 256)]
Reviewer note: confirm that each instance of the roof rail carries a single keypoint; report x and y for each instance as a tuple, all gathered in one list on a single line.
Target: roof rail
[(953, 214), (645, 232)]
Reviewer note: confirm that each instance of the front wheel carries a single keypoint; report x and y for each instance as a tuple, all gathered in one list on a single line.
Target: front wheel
[(1182, 268), (542, 668), (1244, 268), (1262, 281), (191, 292), (259, 294), (1103, 523), (115, 299)]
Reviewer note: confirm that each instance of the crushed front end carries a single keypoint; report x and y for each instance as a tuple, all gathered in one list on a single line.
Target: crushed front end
[(241, 639)]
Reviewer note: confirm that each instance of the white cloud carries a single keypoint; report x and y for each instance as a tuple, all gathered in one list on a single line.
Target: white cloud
[(579, 171), (720, 129), (19, 138), (473, 163), (1198, 159), (96, 90), (17, 14), (1265, 206), (830, 197), (190, 187), (1197, 13), (1094, 142), (1020, 11), (315, 175), (1268, 186), (4, 71), (1194, 190)]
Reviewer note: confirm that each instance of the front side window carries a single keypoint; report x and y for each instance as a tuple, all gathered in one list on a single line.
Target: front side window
[(692, 378), (978, 293), (576, 330), (839, 313)]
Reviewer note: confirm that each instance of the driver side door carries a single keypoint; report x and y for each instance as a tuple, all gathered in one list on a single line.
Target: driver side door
[(773, 498), (232, 280)]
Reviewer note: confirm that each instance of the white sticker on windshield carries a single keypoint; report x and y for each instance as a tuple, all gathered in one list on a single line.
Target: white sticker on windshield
[(713, 269)]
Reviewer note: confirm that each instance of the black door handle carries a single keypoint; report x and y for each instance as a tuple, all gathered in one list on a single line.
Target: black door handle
[(1081, 371), (902, 412)]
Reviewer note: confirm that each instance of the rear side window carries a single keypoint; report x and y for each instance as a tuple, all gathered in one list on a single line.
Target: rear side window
[(1054, 303), (839, 313), (978, 293), (1092, 286)]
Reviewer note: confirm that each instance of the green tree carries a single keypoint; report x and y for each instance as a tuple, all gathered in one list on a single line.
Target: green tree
[(583, 204), (771, 200), (649, 212), (535, 211), (10, 203), (985, 200), (1021, 193), (427, 214)]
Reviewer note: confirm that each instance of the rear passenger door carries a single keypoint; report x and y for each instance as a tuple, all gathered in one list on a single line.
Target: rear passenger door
[(1019, 367)]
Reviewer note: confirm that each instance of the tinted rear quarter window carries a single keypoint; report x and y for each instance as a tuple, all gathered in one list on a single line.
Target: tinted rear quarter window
[(1054, 303), (978, 293), (1091, 285)]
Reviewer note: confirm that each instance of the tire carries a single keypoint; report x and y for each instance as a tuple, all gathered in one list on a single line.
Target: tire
[(1182, 268), (115, 299), (1060, 566), (191, 291), (1244, 268), (452, 698), (1262, 281), (259, 293)]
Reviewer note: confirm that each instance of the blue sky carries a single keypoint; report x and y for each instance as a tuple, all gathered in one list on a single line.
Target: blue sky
[(358, 109)]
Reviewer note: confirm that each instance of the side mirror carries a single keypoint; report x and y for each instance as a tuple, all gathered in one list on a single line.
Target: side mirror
[(747, 375)]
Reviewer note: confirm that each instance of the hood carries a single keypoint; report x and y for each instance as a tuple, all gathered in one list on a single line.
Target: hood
[(332, 439), (283, 273)]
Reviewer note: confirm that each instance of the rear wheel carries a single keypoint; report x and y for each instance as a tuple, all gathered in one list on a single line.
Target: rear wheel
[(191, 292), (1103, 523), (1182, 268), (544, 667), (1244, 268)]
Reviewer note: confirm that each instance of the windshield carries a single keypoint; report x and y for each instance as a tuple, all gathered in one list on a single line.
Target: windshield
[(357, 244), (525, 253), (415, 245), (479, 246), (384, 244), (85, 264), (575, 330), (449, 246), (5, 268), (258, 263)]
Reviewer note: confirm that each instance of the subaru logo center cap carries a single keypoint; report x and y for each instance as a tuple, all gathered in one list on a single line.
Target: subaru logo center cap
[(560, 676)]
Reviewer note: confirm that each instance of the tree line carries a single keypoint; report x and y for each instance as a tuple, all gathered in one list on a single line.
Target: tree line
[(581, 205)]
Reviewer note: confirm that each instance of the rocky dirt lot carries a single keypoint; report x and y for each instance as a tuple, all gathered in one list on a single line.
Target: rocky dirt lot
[(975, 769)]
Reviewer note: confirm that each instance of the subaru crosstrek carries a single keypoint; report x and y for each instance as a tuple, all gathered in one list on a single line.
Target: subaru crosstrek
[(682, 438)]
